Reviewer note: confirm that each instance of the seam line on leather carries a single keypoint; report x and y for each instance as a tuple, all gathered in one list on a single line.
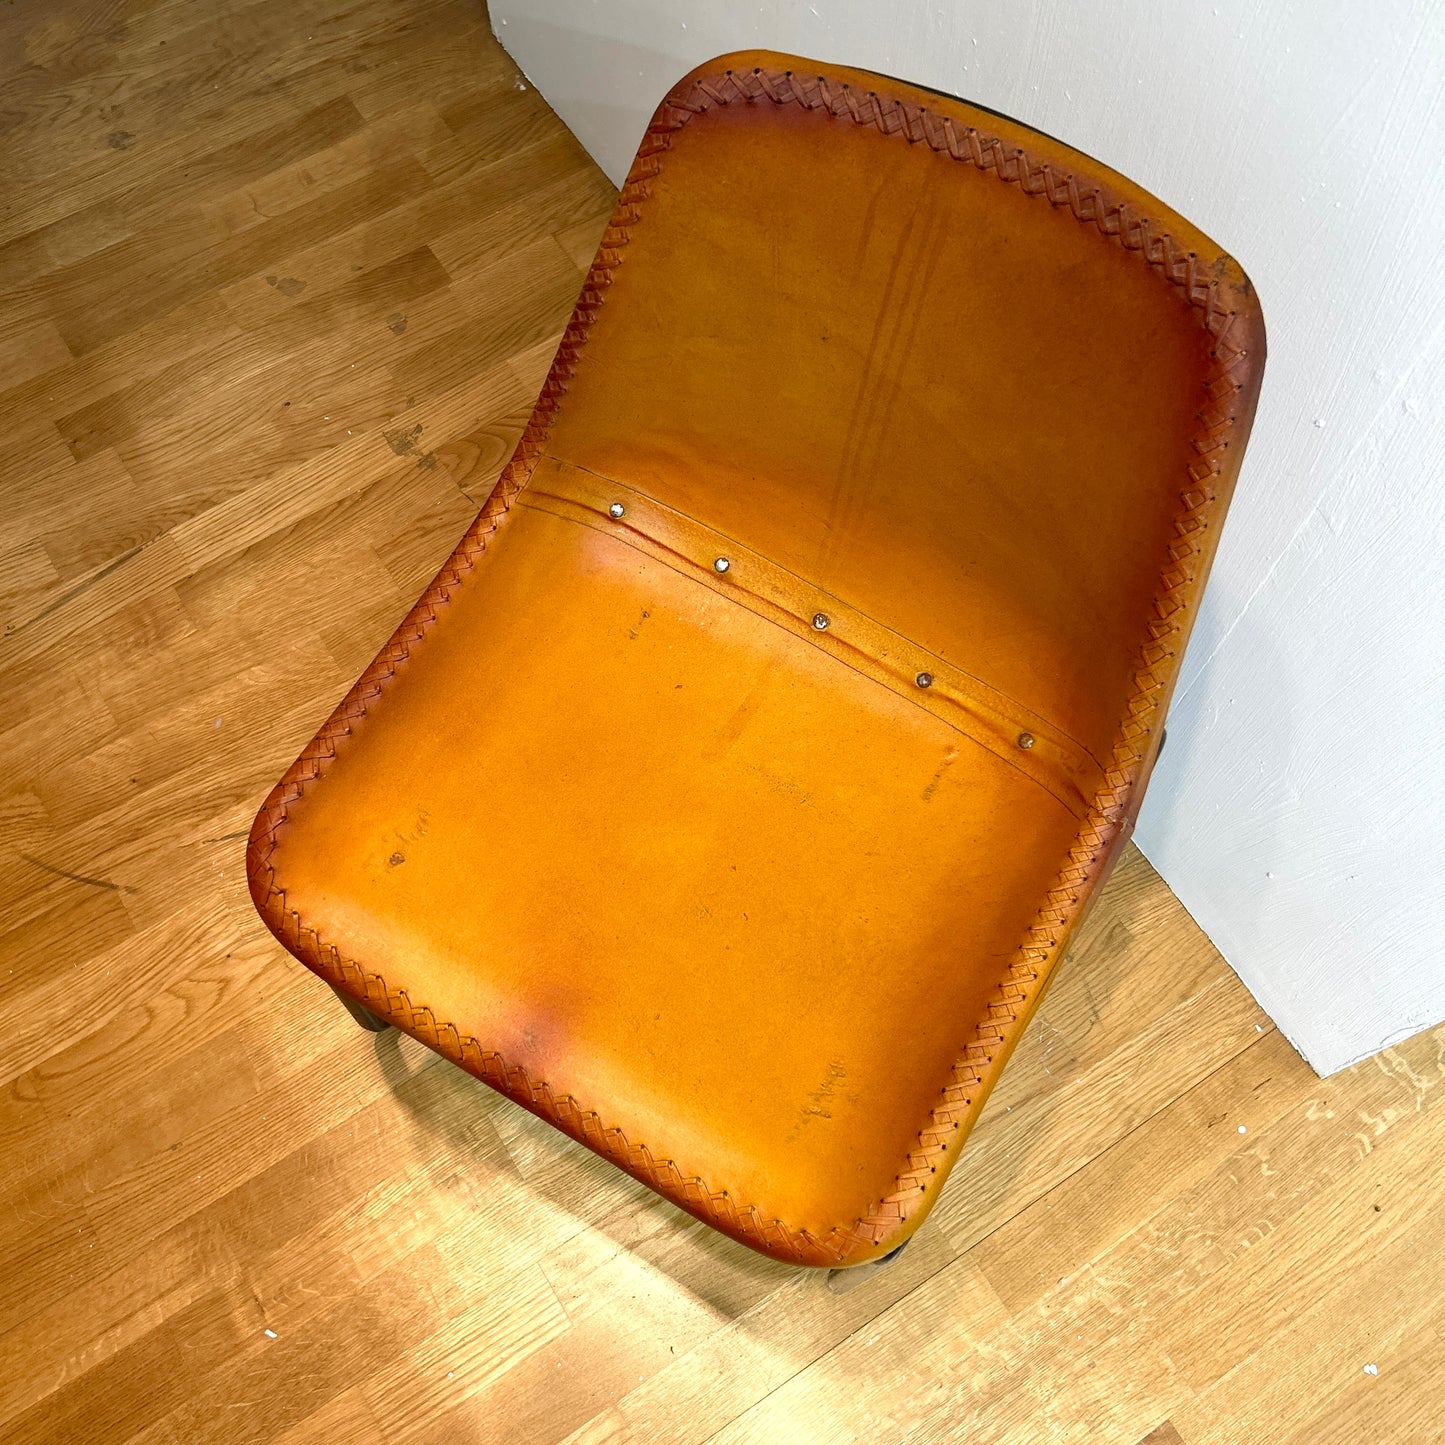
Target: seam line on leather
[(1029, 716), (1046, 762)]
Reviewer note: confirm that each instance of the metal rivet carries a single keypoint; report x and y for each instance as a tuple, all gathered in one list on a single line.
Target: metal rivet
[(924, 679), (721, 565), (1026, 740), (820, 621), (617, 510)]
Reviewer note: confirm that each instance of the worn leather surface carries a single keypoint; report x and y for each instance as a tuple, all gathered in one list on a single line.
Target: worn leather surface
[(750, 877)]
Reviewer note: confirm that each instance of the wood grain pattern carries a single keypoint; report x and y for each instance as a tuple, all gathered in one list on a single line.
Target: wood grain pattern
[(279, 285)]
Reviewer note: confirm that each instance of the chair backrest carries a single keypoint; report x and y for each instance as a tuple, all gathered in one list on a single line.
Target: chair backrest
[(976, 385)]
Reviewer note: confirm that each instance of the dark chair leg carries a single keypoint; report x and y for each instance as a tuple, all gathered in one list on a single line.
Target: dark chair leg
[(840, 1281), (362, 1014)]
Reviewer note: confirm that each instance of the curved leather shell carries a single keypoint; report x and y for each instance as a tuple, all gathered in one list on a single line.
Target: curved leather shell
[(730, 796)]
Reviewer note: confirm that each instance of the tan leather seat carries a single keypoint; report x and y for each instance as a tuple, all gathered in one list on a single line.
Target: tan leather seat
[(730, 796)]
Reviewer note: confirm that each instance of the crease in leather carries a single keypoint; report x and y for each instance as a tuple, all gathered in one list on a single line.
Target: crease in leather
[(1053, 761), (1021, 988)]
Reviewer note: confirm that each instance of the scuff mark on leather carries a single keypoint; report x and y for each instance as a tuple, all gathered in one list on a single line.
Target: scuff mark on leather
[(820, 1098), (948, 760)]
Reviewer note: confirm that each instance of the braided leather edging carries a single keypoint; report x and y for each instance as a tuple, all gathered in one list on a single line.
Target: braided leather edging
[(1028, 972)]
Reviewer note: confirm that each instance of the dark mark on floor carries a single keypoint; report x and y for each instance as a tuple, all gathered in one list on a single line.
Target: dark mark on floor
[(119, 140), (78, 877), (11, 628), (404, 444)]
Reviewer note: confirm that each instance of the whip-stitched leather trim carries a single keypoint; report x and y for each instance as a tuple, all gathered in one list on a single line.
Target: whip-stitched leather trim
[(1012, 1003)]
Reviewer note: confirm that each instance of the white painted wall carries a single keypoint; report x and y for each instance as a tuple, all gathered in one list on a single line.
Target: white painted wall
[(1298, 810)]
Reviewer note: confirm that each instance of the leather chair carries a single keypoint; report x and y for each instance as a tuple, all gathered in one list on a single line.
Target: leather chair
[(730, 797)]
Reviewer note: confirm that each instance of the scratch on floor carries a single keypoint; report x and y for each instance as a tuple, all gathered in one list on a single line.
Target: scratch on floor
[(1049, 1036), (79, 877), (12, 628)]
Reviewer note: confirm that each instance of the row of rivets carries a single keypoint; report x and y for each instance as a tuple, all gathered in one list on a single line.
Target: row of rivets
[(820, 619)]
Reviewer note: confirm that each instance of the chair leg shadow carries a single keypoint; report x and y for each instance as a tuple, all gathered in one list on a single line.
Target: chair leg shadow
[(840, 1281), (361, 1014)]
